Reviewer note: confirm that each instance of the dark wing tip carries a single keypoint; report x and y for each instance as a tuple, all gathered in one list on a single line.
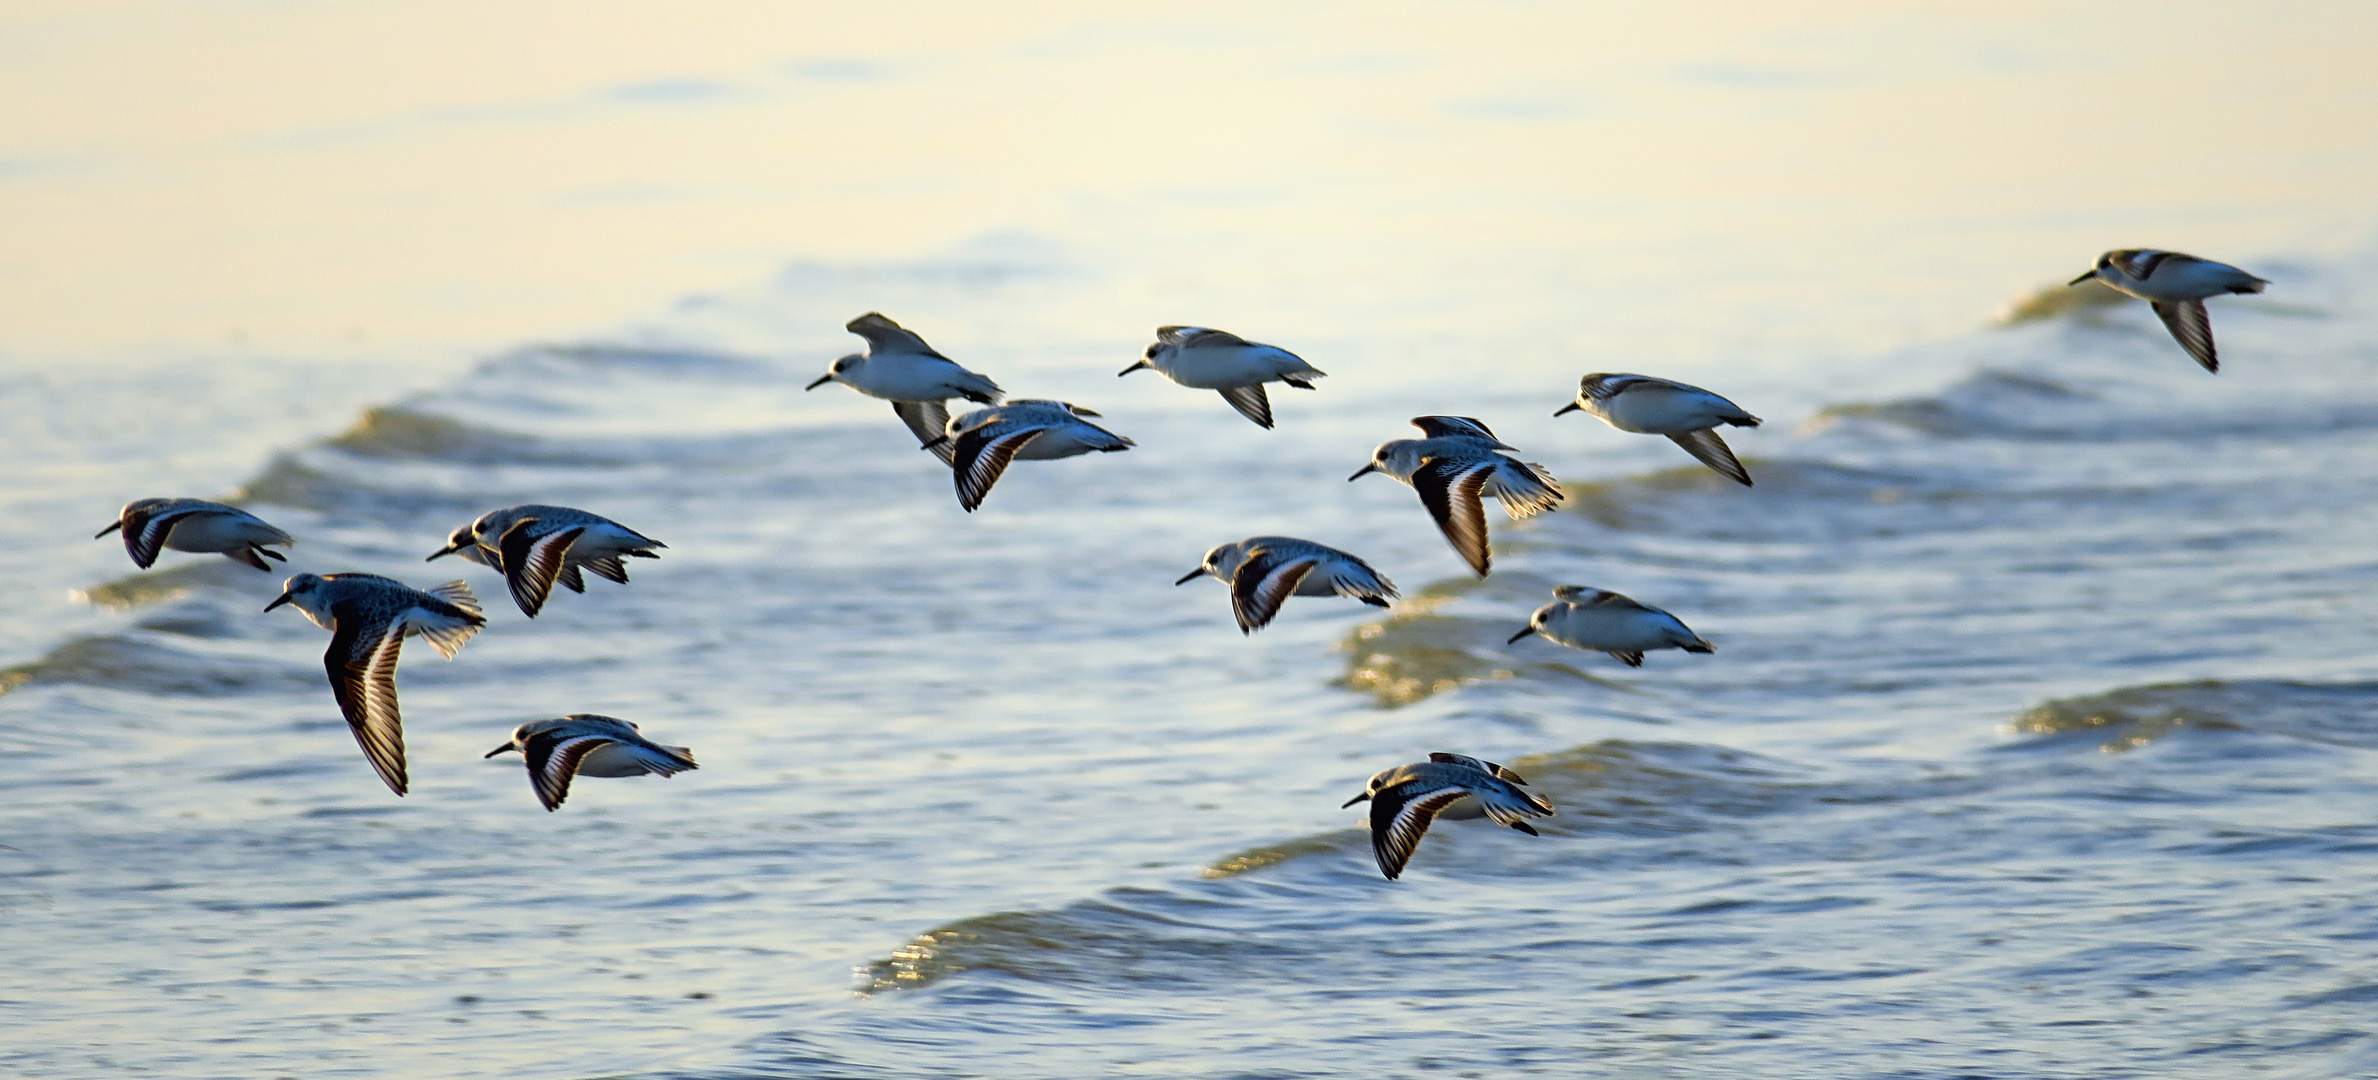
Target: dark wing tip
[(1251, 402), (1452, 492)]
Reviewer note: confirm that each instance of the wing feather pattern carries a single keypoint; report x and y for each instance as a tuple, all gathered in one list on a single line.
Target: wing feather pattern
[(1400, 816), (1437, 427), (2192, 327), (1450, 488), (1711, 450), (365, 686), (553, 760), (148, 541), (1197, 336), (982, 456), (1264, 582), (532, 562), (927, 420), (1251, 402)]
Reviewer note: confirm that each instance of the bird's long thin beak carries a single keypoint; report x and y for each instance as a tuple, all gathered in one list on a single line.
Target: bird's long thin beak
[(1191, 576), (283, 599), (443, 552), (1364, 797), (821, 381), (1370, 468), (1567, 409), (2080, 279), (111, 527), (937, 440), (1523, 633), (499, 750), (1132, 368)]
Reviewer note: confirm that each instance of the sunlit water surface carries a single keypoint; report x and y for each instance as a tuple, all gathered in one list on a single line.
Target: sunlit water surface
[(2037, 741)]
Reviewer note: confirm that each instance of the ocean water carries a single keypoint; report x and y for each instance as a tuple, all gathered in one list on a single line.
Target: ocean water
[(2038, 742)]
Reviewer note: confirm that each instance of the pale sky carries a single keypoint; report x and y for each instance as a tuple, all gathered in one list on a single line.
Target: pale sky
[(335, 175)]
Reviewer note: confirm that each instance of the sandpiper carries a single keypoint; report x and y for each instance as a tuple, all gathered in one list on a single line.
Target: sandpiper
[(152, 525), (1603, 621), (588, 744), (1264, 571), (1459, 461), (986, 440), (369, 617), (1218, 360), (2176, 286), (1405, 799), (536, 546), (1687, 414), (900, 368)]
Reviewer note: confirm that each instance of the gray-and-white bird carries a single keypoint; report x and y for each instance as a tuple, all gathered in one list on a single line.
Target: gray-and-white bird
[(535, 546), (986, 440), (1687, 414), (588, 744), (1264, 571), (2176, 286), (154, 525), (1218, 360), (1451, 469), (369, 617), (1405, 799), (1602, 621), (900, 368)]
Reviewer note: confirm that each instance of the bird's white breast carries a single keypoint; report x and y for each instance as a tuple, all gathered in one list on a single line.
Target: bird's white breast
[(1220, 367), (1653, 409), (1606, 629), (903, 377), (213, 532)]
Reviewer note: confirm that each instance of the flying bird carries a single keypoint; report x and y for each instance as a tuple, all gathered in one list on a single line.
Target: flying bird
[(154, 525), (986, 440), (1218, 360), (1405, 799), (369, 617), (588, 744), (1264, 571), (1686, 414), (1602, 621), (535, 546), (2176, 286), (1459, 462), (900, 368)]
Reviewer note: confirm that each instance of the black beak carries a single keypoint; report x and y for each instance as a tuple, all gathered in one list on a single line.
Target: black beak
[(1567, 409), (821, 381), (443, 552), (1132, 368), (2080, 279), (1190, 576), (499, 750), (1370, 468), (284, 598), (1523, 633), (936, 441), (1364, 797), (111, 527)]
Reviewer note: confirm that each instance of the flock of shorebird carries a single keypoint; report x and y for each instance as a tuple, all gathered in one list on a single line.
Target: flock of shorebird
[(1454, 468)]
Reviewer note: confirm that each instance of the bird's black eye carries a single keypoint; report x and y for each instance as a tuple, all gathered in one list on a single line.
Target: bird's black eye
[(1152, 351)]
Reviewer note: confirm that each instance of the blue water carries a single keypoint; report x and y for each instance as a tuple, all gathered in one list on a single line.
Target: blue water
[(2037, 742)]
